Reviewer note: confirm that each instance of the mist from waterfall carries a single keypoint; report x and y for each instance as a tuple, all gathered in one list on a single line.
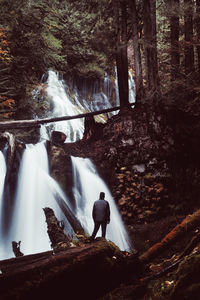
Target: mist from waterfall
[(87, 187)]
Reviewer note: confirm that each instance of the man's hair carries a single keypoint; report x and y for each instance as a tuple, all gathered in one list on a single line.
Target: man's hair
[(102, 195)]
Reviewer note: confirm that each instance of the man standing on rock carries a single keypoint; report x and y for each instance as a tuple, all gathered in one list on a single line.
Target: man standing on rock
[(101, 215)]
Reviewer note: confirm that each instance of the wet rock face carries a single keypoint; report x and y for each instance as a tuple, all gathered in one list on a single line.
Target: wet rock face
[(58, 137), (139, 147), (61, 168), (154, 163)]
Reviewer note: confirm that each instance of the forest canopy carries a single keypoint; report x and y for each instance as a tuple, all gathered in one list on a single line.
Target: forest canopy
[(158, 40)]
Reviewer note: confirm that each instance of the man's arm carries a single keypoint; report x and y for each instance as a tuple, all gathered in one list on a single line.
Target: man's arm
[(94, 212), (108, 212)]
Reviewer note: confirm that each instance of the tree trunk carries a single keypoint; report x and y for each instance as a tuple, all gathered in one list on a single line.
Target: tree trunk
[(189, 223), (197, 23), (151, 64), (188, 29), (120, 8), (55, 230), (137, 53), (174, 37)]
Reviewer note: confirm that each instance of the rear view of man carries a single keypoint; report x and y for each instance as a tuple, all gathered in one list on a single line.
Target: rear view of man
[(101, 215)]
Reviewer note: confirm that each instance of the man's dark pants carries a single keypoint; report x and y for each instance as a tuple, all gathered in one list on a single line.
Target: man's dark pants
[(96, 228)]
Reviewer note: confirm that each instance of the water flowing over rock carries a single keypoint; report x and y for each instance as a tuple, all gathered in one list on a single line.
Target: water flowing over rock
[(2, 174), (36, 189), (2, 180), (87, 187)]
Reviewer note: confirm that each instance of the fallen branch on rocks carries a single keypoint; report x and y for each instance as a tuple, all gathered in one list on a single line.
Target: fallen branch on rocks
[(59, 240), (74, 222), (189, 223)]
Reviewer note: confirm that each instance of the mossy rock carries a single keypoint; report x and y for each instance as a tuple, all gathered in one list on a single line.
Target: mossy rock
[(184, 284), (187, 283)]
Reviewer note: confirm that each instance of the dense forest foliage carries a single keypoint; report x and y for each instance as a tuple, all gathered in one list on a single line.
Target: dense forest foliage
[(158, 40)]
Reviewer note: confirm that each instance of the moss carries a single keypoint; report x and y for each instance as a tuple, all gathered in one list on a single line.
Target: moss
[(187, 278)]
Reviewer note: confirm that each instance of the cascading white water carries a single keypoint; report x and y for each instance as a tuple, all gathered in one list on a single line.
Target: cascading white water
[(88, 185), (2, 181), (2, 176), (84, 169), (62, 106), (36, 190)]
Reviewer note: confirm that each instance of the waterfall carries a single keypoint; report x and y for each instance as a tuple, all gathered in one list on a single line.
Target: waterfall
[(2, 176), (87, 187), (68, 100), (2, 179), (62, 106), (36, 189)]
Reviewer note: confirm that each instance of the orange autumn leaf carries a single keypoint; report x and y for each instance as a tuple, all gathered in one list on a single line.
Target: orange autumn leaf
[(7, 103)]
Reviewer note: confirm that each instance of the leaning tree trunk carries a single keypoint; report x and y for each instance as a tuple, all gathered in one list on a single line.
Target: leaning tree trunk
[(188, 29), (72, 219), (174, 37), (189, 223), (55, 229)]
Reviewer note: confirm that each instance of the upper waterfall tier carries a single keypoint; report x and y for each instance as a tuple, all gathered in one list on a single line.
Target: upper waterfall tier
[(66, 99)]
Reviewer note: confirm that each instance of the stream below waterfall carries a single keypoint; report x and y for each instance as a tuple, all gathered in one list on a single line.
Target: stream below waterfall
[(36, 189)]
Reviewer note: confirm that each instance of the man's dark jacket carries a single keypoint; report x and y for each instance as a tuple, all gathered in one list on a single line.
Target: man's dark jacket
[(101, 211)]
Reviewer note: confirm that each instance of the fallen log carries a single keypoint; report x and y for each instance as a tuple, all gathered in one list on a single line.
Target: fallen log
[(189, 223), (74, 222), (51, 276), (36, 123)]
